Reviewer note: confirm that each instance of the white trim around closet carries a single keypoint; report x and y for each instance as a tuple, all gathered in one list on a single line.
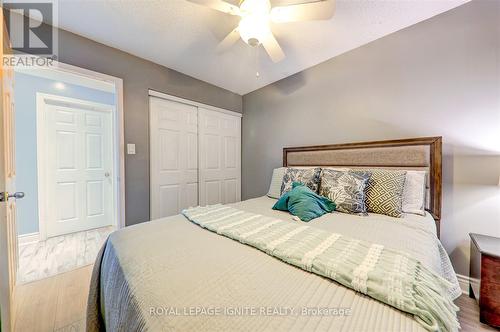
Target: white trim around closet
[(154, 93)]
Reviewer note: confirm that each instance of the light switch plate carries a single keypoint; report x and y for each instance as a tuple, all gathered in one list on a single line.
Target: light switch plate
[(130, 148)]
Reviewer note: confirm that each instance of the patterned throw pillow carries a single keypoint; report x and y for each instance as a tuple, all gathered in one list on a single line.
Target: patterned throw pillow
[(346, 189), (384, 192), (308, 176)]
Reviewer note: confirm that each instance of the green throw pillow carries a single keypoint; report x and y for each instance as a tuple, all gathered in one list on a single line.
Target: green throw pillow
[(304, 203)]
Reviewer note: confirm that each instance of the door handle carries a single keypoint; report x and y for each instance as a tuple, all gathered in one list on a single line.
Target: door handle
[(5, 195)]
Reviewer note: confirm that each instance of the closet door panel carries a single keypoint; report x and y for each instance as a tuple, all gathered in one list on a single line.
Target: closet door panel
[(169, 196), (174, 157), (220, 157), (213, 192), (190, 198), (230, 191)]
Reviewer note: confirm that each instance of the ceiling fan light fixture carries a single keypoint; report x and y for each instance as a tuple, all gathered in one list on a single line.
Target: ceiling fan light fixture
[(254, 24), (253, 29), (256, 16)]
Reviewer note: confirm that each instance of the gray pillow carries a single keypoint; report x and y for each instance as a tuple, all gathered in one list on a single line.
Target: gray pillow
[(346, 189), (308, 176)]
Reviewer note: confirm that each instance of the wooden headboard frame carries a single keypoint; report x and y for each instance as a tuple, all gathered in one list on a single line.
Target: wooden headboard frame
[(435, 163)]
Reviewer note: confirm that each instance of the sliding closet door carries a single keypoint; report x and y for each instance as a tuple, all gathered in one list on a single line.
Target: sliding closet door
[(174, 157), (220, 157)]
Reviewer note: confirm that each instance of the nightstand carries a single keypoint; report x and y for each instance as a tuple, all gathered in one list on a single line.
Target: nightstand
[(485, 276)]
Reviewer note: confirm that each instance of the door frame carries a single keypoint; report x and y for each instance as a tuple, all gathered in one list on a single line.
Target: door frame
[(42, 100), (119, 125), (8, 232), (119, 129)]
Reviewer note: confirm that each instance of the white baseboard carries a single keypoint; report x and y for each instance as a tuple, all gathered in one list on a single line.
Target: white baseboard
[(463, 281), (28, 238)]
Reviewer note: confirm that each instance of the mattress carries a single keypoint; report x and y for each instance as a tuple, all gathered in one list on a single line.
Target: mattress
[(170, 274)]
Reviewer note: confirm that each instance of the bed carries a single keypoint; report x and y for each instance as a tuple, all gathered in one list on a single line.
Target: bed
[(171, 274)]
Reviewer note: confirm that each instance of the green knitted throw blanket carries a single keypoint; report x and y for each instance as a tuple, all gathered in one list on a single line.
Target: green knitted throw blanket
[(386, 275)]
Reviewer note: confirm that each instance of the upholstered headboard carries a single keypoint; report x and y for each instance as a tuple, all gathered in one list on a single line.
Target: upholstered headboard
[(412, 154)]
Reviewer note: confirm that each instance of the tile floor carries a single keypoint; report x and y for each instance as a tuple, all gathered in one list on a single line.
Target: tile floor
[(60, 254)]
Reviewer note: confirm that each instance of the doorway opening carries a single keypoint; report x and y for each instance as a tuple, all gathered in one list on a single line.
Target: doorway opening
[(69, 162)]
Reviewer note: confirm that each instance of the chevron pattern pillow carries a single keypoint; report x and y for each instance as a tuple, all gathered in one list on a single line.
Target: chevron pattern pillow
[(384, 192)]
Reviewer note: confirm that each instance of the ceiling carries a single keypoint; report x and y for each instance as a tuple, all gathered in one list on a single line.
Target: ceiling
[(183, 36)]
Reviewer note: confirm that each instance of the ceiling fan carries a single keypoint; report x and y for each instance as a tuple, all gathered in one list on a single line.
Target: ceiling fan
[(256, 16)]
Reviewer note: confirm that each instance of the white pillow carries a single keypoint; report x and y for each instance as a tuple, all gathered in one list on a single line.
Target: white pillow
[(414, 193), (276, 180)]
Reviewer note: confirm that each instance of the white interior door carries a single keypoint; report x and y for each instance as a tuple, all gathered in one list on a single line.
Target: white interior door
[(220, 157), (79, 161), (8, 233), (174, 157)]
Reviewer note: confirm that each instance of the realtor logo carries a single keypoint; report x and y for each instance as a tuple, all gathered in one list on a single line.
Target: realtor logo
[(30, 26)]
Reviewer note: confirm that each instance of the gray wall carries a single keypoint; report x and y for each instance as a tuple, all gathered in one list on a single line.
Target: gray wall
[(138, 76), (438, 77)]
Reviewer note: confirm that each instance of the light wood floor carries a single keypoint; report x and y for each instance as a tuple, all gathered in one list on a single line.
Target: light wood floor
[(59, 304), (469, 315), (60, 254), (54, 304)]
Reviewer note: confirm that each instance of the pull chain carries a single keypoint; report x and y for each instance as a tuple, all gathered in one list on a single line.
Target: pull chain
[(256, 59)]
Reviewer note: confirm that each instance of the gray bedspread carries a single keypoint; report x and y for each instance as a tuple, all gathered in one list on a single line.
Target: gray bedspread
[(170, 274)]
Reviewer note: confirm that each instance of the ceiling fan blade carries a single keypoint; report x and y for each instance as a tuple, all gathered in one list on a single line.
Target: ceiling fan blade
[(319, 10), (228, 41), (272, 47), (219, 5)]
